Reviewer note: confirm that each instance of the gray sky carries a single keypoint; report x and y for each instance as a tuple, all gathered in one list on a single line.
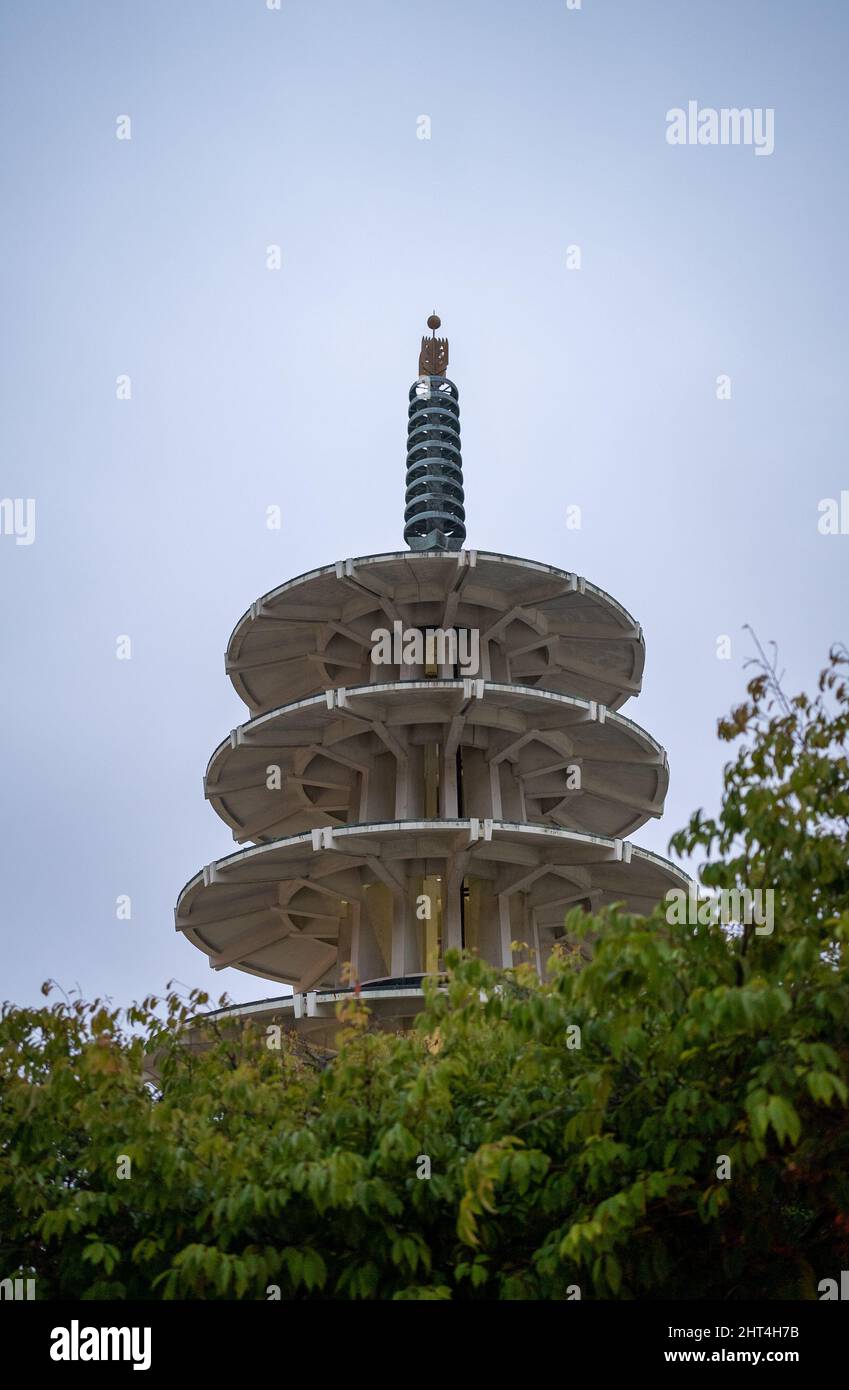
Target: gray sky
[(594, 387)]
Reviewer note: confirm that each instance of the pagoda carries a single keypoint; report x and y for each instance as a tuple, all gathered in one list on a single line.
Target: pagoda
[(434, 758)]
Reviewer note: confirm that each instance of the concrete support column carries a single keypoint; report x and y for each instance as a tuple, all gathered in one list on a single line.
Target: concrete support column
[(345, 947), (402, 789), (505, 932), (405, 945), (429, 927), (452, 922), (448, 810)]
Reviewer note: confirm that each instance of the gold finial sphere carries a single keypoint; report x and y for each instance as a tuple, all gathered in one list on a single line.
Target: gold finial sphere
[(434, 321)]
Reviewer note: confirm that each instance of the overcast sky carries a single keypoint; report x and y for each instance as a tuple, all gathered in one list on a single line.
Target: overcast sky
[(594, 387)]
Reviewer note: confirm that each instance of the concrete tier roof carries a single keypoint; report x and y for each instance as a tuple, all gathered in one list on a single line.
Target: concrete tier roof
[(391, 1005), (539, 626), (326, 750), (279, 911)]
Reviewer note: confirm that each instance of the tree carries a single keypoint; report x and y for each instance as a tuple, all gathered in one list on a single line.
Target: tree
[(666, 1121)]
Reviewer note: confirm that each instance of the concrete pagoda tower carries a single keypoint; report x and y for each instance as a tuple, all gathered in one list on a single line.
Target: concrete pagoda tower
[(433, 758)]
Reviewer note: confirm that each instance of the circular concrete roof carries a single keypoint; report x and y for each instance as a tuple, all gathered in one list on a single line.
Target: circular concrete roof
[(323, 747), (547, 627), (391, 1005), (274, 910)]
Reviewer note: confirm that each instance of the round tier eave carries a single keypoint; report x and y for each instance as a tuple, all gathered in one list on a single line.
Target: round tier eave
[(560, 759), (276, 911), (392, 1004), (539, 626)]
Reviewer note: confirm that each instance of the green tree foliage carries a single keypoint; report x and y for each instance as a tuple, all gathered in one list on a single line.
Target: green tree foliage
[(553, 1167)]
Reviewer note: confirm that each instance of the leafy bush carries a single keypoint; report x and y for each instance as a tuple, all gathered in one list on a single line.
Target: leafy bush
[(553, 1168)]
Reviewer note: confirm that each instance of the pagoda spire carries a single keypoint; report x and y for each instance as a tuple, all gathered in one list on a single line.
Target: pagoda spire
[(433, 358), (434, 518)]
